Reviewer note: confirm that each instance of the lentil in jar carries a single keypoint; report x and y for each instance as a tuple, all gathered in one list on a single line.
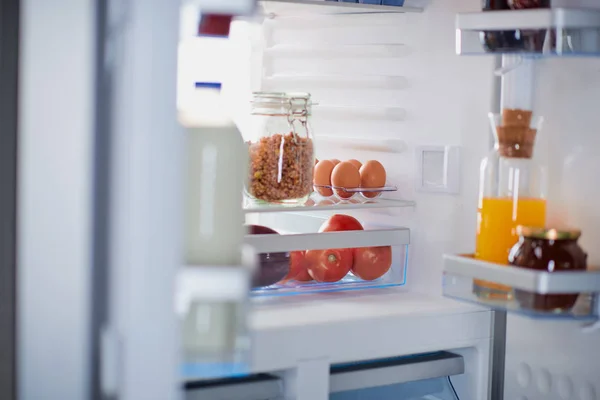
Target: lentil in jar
[(281, 168)]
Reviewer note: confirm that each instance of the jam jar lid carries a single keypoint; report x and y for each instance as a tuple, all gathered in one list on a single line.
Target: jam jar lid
[(548, 233)]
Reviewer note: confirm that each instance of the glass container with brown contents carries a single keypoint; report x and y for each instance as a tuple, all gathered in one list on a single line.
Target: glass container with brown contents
[(281, 148), (547, 250)]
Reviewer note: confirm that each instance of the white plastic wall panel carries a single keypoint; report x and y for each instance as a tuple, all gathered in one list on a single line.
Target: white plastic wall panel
[(391, 78)]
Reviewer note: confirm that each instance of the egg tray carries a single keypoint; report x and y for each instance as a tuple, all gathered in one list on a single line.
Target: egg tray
[(353, 192)]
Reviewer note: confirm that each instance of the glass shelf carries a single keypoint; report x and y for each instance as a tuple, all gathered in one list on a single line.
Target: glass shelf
[(318, 203), (461, 270), (556, 32)]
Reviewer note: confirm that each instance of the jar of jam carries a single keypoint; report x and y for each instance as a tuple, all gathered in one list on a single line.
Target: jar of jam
[(549, 250), (525, 4)]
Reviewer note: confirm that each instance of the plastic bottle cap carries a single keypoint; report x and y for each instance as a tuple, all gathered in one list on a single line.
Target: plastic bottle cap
[(208, 85)]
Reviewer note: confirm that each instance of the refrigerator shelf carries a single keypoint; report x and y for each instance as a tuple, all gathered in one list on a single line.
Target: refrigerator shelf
[(333, 7), (540, 32), (287, 331), (461, 270), (318, 203)]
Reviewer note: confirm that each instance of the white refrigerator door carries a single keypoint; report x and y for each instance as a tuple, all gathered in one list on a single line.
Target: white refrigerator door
[(559, 360)]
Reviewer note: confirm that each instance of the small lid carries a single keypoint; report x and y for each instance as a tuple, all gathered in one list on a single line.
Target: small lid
[(208, 85), (215, 25), (548, 233)]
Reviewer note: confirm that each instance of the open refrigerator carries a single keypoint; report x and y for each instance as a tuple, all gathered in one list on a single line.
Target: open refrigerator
[(391, 87)]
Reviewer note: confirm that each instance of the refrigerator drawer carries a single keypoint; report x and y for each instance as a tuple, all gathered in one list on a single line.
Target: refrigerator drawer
[(256, 387), (301, 259), (427, 389), (381, 373), (415, 377), (423, 376)]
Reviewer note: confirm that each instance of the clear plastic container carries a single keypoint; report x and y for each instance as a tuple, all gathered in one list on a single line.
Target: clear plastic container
[(512, 192), (335, 269), (338, 253), (281, 148)]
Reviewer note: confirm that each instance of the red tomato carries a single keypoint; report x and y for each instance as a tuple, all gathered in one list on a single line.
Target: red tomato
[(340, 222), (371, 263), (298, 268), (329, 265)]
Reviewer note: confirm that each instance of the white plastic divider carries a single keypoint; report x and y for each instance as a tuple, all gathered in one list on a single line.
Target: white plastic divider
[(361, 113), (560, 18), (336, 81), (521, 278), (381, 145), (329, 51), (329, 240)]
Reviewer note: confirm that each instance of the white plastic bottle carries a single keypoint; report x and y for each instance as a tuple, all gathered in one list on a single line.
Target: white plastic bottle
[(217, 164)]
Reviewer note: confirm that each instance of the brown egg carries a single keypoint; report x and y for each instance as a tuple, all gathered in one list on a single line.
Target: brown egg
[(335, 161), (372, 175), (345, 175), (322, 176), (356, 163)]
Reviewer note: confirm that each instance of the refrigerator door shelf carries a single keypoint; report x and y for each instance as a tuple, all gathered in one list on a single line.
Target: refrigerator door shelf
[(460, 271), (539, 32), (540, 18)]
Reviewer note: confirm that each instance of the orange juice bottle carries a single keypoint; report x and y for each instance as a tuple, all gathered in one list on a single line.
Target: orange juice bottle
[(512, 193)]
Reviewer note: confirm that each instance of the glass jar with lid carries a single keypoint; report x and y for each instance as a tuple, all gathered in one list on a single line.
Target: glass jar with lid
[(281, 148), (547, 250), (512, 192)]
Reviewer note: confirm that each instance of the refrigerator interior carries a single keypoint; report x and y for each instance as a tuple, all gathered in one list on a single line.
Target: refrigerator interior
[(395, 79), (384, 78)]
